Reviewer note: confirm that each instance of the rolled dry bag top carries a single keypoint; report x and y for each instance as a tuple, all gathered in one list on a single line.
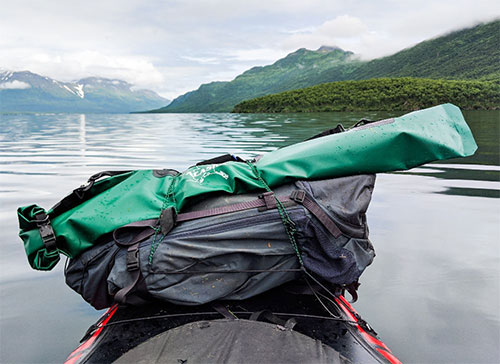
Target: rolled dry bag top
[(92, 211)]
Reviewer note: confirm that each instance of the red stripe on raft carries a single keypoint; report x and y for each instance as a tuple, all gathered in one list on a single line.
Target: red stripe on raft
[(391, 358), (347, 312), (372, 339), (368, 337), (77, 353), (347, 303), (73, 359)]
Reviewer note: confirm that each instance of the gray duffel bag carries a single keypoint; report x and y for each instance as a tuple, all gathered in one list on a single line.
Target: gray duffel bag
[(233, 247)]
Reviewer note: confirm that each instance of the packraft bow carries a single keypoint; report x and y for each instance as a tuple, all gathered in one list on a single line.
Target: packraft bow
[(95, 210)]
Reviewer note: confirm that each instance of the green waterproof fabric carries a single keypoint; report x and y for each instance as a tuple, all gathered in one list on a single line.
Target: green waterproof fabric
[(401, 143)]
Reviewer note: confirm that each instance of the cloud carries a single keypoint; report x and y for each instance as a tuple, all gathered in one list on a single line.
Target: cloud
[(345, 31), (172, 46), (73, 65), (344, 26), (14, 85), (202, 60), (256, 55)]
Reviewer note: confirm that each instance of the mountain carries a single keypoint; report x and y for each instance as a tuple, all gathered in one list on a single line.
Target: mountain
[(471, 53), (298, 69), (27, 91)]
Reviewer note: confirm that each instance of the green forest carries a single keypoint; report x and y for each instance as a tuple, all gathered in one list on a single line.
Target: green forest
[(403, 94)]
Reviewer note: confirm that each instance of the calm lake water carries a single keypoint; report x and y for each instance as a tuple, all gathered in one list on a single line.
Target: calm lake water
[(432, 293)]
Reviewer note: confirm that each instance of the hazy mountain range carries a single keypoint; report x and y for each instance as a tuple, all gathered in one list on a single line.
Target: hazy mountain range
[(472, 53), (29, 92)]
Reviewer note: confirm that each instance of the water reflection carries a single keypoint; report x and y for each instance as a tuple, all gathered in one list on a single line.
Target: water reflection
[(435, 228), (476, 192), (82, 136), (463, 180)]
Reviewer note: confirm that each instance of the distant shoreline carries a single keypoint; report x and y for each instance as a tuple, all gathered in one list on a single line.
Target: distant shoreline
[(381, 94)]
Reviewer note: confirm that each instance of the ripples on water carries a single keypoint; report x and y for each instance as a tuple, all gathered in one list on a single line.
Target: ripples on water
[(432, 293)]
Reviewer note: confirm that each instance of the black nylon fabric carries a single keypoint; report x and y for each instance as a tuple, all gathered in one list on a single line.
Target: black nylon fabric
[(88, 274), (232, 341)]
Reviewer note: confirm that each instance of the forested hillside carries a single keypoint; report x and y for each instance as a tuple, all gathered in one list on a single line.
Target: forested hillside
[(379, 94)]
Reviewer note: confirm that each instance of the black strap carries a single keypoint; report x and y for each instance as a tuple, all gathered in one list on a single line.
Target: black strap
[(220, 159), (301, 197), (271, 317), (338, 129), (145, 229), (353, 290), (365, 123), (362, 122), (160, 173), (224, 311), (46, 232), (133, 267), (80, 191)]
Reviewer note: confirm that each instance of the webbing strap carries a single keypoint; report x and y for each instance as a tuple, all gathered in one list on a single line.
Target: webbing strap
[(300, 196), (224, 311), (220, 159), (262, 201), (133, 267), (271, 317), (146, 228)]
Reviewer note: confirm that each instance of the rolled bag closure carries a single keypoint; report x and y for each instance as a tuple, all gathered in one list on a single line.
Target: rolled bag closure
[(39, 237)]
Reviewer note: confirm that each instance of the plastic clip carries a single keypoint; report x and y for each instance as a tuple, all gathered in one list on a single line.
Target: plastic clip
[(298, 196), (133, 258), (46, 232)]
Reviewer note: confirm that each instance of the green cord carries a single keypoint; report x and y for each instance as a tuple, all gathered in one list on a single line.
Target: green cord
[(155, 244), (285, 218), (169, 197)]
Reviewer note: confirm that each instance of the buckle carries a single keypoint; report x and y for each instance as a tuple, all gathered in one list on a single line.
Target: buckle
[(41, 219), (46, 232), (269, 200), (132, 259), (298, 196), (265, 194), (80, 191)]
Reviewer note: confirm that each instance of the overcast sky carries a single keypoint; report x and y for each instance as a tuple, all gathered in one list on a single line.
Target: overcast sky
[(173, 46)]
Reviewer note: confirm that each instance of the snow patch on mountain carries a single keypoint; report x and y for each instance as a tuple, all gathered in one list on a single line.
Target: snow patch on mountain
[(70, 90), (79, 91), (5, 75)]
